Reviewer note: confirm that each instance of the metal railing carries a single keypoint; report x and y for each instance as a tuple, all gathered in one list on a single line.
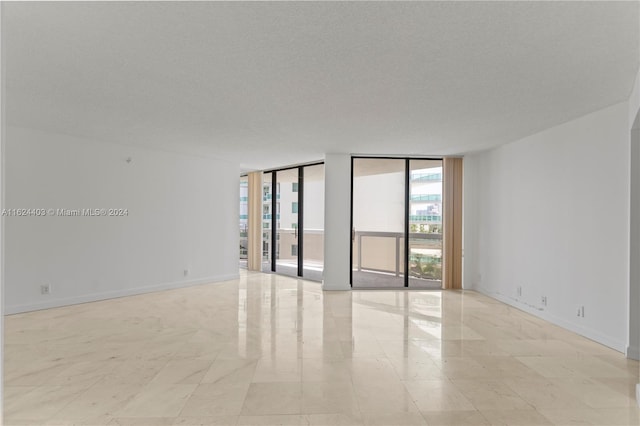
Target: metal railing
[(425, 218), (244, 243), (397, 236), (426, 197)]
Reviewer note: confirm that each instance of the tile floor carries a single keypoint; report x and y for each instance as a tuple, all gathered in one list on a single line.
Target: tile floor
[(270, 350)]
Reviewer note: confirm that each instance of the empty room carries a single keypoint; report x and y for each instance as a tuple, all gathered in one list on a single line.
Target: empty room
[(320, 213)]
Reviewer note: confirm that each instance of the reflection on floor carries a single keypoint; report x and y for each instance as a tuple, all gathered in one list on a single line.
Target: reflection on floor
[(268, 349)]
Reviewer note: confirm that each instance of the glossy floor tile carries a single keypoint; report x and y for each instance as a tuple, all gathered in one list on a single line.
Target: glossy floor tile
[(273, 350)]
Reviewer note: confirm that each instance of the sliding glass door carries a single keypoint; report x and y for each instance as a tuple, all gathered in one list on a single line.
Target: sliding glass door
[(244, 215), (287, 235), (396, 223), (313, 230), (378, 222), (269, 200), (425, 223), (293, 221)]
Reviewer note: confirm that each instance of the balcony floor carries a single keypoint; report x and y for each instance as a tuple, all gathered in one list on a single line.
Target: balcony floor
[(312, 270), (372, 279)]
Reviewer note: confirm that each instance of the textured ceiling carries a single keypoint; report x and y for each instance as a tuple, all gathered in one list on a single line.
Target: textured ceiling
[(268, 84)]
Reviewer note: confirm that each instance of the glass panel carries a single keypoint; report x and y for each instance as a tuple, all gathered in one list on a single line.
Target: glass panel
[(425, 224), (267, 195), (244, 212), (378, 222), (313, 253), (287, 223)]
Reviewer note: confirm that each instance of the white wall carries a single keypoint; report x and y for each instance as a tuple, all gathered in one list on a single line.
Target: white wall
[(550, 214), (634, 100), (183, 214), (3, 64), (634, 243), (337, 220), (633, 350)]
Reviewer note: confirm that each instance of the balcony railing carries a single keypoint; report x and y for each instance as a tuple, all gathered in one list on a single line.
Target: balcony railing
[(244, 243), (384, 253), (426, 177), (425, 218), (426, 197)]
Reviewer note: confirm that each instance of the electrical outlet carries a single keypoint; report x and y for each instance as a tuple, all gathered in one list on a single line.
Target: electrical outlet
[(45, 289), (544, 300), (582, 311), (519, 290), (186, 272)]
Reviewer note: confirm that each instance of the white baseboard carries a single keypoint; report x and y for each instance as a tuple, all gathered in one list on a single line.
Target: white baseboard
[(554, 319), (86, 298), (633, 353)]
